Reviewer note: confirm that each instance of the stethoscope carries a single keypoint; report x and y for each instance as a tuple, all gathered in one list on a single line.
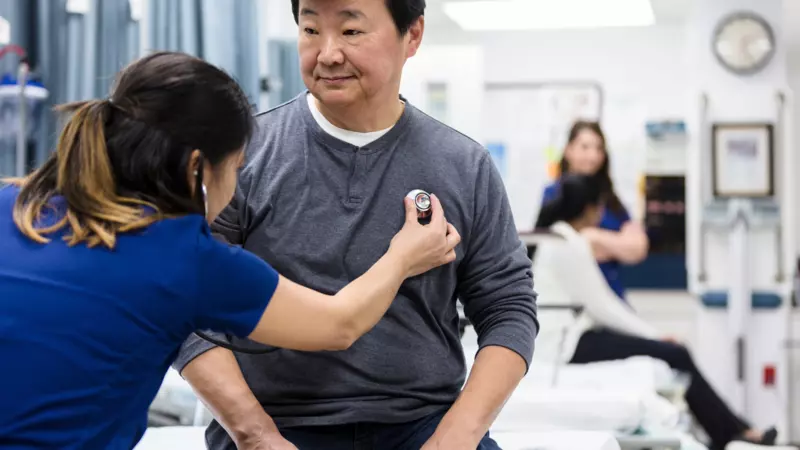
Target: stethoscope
[(422, 201)]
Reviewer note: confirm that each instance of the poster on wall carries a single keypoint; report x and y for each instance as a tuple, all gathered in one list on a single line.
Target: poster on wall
[(742, 160), (567, 104), (665, 148), (497, 151)]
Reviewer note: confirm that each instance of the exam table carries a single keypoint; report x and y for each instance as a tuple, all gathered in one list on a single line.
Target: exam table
[(538, 415), (639, 400), (178, 407), (577, 406), (193, 438)]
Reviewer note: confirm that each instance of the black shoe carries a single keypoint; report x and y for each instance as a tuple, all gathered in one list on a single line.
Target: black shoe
[(769, 436)]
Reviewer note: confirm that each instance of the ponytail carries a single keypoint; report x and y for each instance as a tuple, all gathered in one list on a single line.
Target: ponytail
[(80, 170)]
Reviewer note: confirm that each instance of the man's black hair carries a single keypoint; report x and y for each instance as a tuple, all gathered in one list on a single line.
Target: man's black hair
[(404, 12)]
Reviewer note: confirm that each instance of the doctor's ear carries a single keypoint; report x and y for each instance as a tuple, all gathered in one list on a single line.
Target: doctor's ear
[(194, 168)]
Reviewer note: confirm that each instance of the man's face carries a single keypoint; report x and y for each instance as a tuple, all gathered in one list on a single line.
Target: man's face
[(351, 51)]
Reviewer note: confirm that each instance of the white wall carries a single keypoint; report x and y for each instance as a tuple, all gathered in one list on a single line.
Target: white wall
[(447, 64), (642, 62)]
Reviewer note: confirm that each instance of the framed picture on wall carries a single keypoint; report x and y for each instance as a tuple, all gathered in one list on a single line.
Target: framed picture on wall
[(743, 160)]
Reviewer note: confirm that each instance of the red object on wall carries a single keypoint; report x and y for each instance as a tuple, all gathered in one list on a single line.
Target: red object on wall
[(769, 375)]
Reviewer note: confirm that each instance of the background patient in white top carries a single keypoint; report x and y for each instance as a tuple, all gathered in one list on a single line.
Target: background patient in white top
[(606, 329)]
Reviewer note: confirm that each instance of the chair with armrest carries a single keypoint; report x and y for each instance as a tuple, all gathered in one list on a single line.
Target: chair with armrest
[(532, 240)]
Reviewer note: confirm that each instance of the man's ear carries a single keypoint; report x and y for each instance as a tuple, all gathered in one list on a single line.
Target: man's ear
[(414, 35)]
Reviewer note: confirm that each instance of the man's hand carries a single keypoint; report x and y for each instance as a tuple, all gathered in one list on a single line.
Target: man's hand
[(495, 374), (216, 378), (270, 441), (452, 441), (456, 431)]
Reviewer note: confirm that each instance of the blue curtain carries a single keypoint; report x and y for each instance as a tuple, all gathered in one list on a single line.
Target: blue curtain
[(77, 55), (222, 32), (96, 46), (286, 82)]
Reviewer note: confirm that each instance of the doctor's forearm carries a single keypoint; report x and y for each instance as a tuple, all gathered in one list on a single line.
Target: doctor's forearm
[(217, 379), (495, 374)]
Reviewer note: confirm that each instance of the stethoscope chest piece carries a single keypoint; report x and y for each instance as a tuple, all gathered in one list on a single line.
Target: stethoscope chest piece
[(422, 200)]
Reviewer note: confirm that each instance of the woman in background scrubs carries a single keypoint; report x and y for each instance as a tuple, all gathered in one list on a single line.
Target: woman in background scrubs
[(107, 263), (616, 239)]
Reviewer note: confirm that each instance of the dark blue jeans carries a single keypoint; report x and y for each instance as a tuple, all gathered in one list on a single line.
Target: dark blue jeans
[(372, 436)]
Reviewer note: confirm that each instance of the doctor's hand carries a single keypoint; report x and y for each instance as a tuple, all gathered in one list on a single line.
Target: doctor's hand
[(423, 247)]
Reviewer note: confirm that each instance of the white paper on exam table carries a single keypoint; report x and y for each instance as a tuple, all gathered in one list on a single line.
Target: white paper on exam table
[(638, 372), (170, 438), (620, 396), (548, 409), (556, 440), (617, 412)]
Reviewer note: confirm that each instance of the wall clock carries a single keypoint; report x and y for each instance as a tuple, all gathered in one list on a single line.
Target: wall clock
[(744, 43)]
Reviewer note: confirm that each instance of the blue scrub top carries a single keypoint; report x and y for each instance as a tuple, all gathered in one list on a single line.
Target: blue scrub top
[(87, 335), (610, 221)]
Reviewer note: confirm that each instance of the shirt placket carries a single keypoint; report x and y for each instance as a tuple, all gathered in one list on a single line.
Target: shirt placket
[(355, 192)]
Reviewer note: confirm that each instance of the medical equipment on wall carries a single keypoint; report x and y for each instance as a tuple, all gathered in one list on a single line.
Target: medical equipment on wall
[(740, 189), (739, 217)]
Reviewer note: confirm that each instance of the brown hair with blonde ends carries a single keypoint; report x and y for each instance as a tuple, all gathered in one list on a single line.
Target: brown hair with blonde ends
[(80, 171), (123, 163)]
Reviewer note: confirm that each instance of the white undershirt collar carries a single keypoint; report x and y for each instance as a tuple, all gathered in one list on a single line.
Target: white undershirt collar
[(354, 138)]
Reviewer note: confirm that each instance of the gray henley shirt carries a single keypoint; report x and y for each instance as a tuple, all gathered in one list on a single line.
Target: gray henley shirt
[(322, 211)]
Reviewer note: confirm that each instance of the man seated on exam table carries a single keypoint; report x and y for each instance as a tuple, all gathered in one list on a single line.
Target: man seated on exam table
[(316, 198), (567, 273)]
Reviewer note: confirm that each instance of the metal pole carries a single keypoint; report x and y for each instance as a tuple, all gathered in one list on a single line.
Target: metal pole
[(22, 133), (785, 175), (739, 301), (782, 194), (705, 147)]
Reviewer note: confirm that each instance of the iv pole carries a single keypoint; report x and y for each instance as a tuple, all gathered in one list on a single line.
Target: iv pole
[(22, 81)]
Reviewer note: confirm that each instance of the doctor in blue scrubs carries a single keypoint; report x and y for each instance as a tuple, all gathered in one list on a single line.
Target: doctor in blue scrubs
[(107, 263), (617, 239)]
